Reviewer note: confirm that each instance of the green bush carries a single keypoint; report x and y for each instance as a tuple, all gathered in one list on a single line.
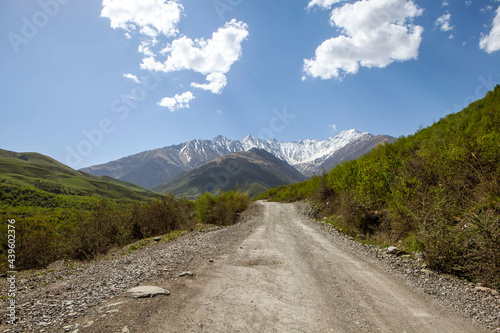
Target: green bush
[(222, 209), (420, 190)]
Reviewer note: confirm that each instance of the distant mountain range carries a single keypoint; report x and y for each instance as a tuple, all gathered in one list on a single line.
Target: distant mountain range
[(253, 171), (153, 168)]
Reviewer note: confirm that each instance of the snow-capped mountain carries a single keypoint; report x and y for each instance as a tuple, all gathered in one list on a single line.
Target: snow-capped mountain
[(306, 155), (152, 167)]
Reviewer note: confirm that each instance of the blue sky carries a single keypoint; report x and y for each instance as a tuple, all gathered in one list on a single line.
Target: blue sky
[(86, 82)]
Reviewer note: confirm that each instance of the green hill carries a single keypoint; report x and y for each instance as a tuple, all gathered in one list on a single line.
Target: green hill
[(436, 191), (39, 172), (59, 213), (252, 172)]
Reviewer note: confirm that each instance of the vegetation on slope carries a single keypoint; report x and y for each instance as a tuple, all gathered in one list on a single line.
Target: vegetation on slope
[(61, 213), (252, 172), (54, 227), (36, 171), (436, 191)]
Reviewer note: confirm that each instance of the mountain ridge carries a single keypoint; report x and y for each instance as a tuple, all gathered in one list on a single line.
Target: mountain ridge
[(156, 166), (253, 171)]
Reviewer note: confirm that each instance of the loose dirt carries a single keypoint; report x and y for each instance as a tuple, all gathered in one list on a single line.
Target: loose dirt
[(286, 276), (276, 271)]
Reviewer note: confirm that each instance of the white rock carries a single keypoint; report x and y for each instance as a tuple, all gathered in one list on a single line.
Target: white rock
[(392, 250), (147, 291)]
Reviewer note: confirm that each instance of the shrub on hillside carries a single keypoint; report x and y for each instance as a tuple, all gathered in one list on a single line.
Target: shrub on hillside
[(222, 209), (421, 190)]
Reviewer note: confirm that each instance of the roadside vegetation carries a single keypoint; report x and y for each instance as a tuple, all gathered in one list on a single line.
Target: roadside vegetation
[(435, 192), (50, 226)]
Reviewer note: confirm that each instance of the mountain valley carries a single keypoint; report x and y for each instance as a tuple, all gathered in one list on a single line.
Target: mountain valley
[(152, 169), (253, 171)]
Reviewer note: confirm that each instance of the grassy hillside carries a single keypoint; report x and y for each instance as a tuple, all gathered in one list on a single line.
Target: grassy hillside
[(252, 172), (61, 213), (36, 171), (436, 191)]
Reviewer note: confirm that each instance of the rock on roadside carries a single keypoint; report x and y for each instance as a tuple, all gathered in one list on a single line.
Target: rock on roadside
[(147, 291)]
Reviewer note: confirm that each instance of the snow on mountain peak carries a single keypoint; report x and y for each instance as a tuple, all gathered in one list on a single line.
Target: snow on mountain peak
[(304, 151), (300, 154)]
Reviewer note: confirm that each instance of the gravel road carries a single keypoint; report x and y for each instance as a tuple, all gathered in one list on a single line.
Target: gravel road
[(278, 271)]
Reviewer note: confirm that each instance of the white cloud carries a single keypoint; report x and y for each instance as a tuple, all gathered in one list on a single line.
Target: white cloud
[(323, 3), (491, 42), (333, 127), (445, 3), (468, 2), (177, 102), (443, 22), (213, 57), (145, 47), (486, 9), (375, 33), (150, 17), (132, 77), (217, 82)]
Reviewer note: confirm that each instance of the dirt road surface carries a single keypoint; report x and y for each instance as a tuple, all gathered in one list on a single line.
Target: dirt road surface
[(284, 275)]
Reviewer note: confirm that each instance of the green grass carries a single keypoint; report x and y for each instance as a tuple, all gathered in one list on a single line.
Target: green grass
[(36, 171), (148, 241)]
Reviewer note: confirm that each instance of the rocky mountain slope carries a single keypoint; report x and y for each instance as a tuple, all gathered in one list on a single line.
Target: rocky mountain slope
[(154, 167), (253, 171), (354, 150)]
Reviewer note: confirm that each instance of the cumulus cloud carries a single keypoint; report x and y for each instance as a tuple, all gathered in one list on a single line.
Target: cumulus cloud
[(486, 9), (443, 22), (213, 57), (177, 102), (149, 17), (375, 33), (132, 77), (146, 47), (323, 3), (217, 82), (491, 42), (156, 22)]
